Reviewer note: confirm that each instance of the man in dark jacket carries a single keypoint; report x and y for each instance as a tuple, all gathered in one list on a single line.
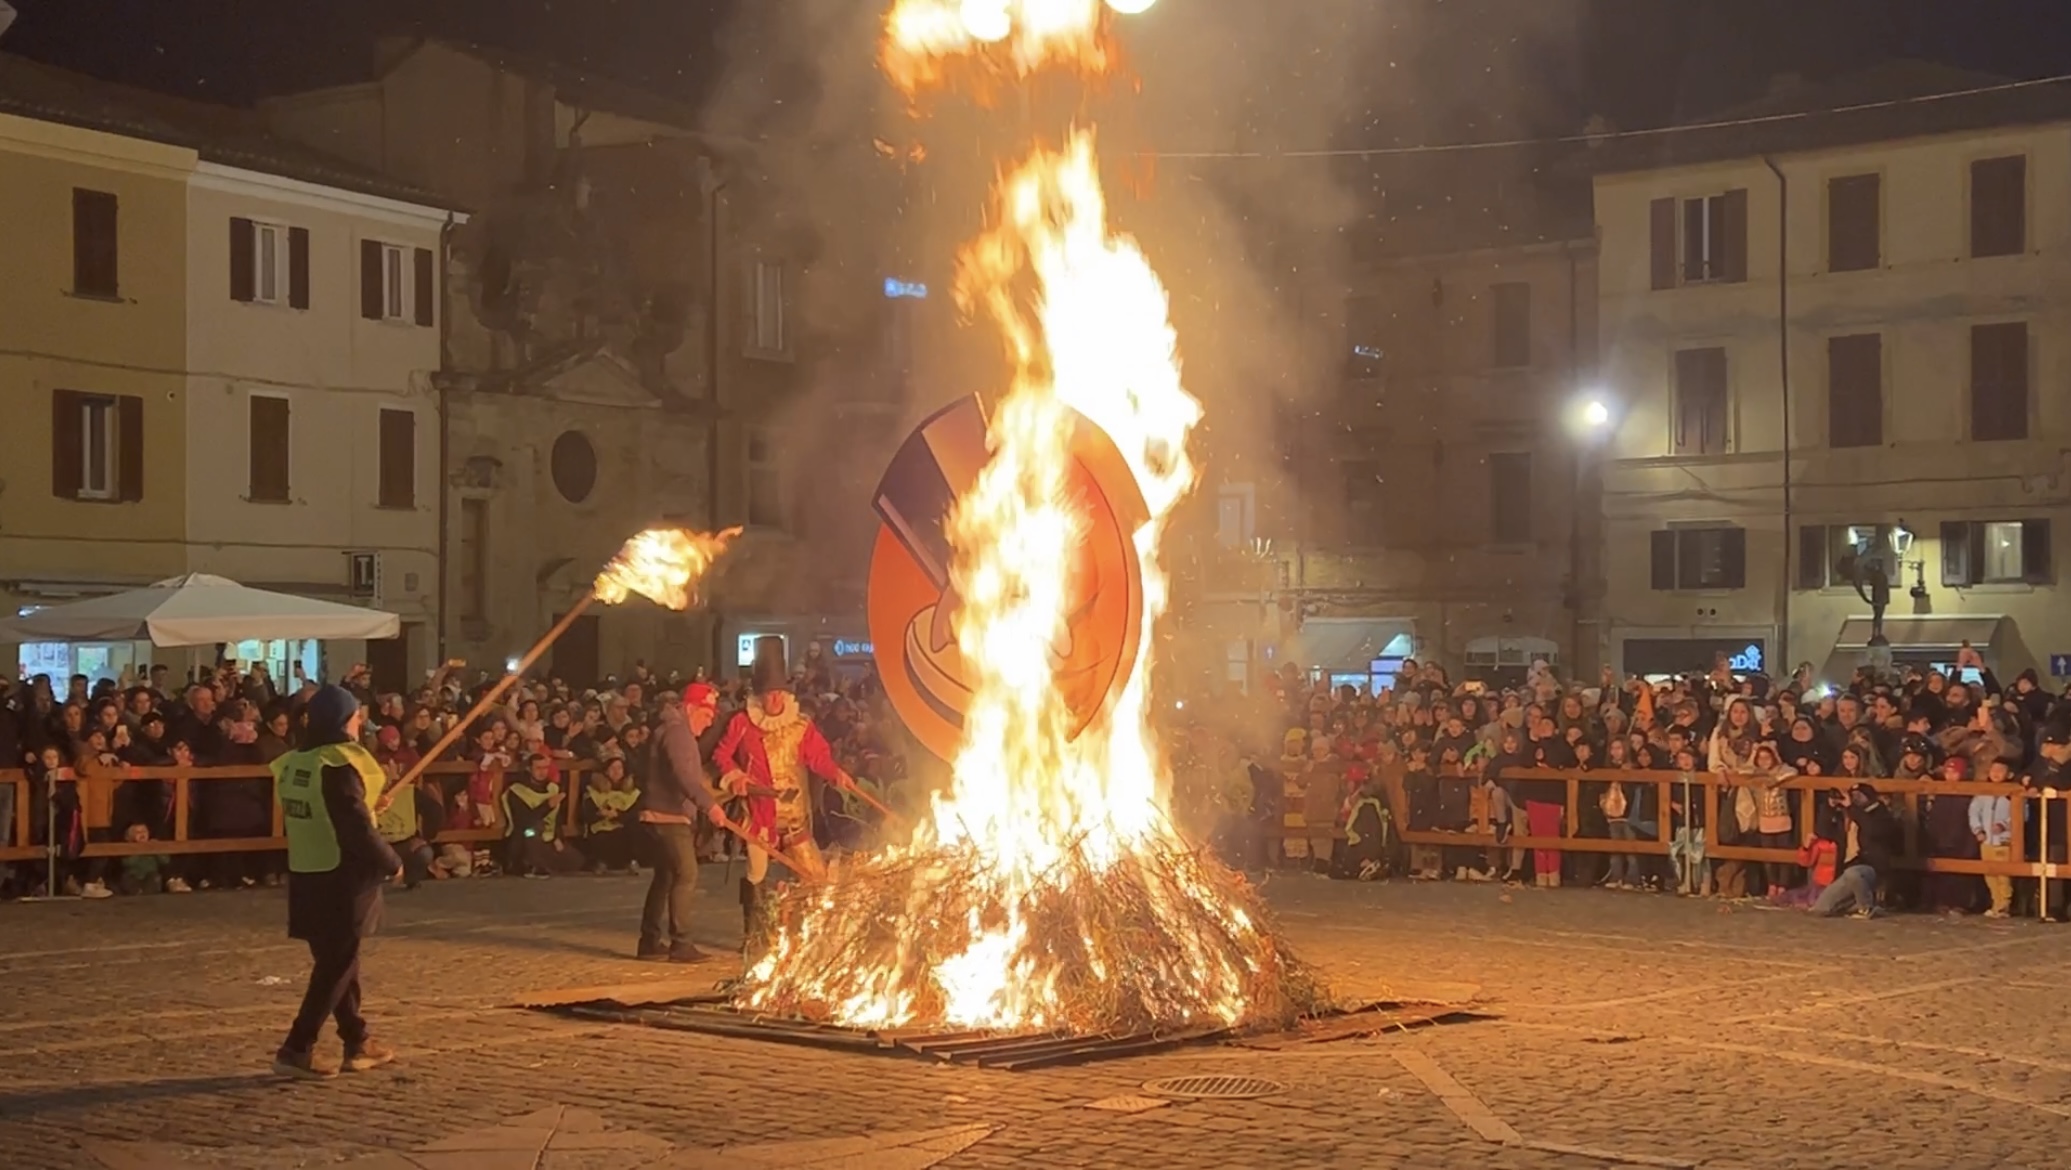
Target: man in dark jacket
[(1879, 839), (673, 794), (337, 864)]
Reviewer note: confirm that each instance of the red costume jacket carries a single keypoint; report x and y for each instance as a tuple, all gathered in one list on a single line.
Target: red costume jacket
[(776, 752)]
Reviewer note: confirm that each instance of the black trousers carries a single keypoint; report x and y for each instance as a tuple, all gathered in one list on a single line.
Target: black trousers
[(334, 993), (665, 920)]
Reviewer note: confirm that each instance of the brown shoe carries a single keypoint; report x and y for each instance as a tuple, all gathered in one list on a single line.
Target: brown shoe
[(290, 1063), (366, 1055)]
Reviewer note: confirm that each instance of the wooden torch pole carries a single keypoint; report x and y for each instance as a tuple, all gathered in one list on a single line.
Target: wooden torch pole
[(489, 698)]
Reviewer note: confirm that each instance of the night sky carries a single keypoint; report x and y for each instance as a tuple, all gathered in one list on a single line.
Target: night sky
[(1638, 62)]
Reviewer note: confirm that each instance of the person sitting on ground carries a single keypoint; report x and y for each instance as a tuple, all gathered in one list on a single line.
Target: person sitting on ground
[(142, 873), (1877, 840), (607, 799), (533, 843)]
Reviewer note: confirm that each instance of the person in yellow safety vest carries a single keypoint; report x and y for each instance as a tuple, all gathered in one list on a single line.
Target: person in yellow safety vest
[(337, 864)]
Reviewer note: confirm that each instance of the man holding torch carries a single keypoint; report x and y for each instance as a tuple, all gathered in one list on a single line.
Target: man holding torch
[(672, 798)]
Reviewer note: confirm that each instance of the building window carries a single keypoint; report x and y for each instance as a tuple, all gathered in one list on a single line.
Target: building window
[(1700, 240), (97, 449), (1822, 546), (94, 244), (1365, 498), (770, 330), (1855, 390), (474, 559), (96, 446), (765, 502), (398, 473), (1699, 558), (270, 449), (396, 283), (573, 465), (1855, 228), (1999, 206), (1996, 552), (1365, 338), (1513, 321), (269, 263), (1233, 516), (1700, 402), (1510, 498), (1999, 381)]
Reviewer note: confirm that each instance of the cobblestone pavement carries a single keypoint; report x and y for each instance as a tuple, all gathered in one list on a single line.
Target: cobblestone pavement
[(1633, 1030)]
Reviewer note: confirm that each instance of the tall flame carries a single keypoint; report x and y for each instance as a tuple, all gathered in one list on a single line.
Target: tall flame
[(1048, 876), (663, 565)]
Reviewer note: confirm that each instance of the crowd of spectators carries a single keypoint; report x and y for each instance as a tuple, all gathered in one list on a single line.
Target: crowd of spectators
[(543, 746), (1353, 769)]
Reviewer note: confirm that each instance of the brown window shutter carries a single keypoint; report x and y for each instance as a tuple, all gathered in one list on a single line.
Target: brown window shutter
[(242, 265), (94, 243), (424, 294), (298, 268), (1999, 382), (1999, 206), (269, 452), (370, 279), (1663, 559), (129, 447), (1812, 556), (1855, 390), (1955, 552), (1855, 236), (398, 449), (2035, 557), (1733, 558), (1662, 226), (1733, 244), (67, 445)]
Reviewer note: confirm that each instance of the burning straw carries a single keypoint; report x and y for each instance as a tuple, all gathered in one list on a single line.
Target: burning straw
[(1172, 940)]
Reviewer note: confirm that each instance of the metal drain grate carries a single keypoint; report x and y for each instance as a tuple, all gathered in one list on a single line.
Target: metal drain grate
[(1214, 1088)]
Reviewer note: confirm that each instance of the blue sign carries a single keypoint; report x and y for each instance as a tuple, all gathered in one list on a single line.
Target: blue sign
[(1748, 661), (843, 648), (2060, 666), (897, 289)]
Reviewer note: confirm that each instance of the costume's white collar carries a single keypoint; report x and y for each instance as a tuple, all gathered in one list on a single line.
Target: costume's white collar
[(768, 722)]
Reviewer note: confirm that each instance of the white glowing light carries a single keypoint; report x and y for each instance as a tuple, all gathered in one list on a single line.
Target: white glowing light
[(1131, 7), (986, 20), (1595, 414)]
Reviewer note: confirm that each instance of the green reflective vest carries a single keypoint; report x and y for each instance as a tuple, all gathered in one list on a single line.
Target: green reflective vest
[(299, 785)]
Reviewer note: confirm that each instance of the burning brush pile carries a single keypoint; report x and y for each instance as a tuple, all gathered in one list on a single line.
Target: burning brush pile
[(1046, 889)]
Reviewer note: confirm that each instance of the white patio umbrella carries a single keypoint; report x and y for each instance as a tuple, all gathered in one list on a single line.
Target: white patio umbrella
[(199, 610)]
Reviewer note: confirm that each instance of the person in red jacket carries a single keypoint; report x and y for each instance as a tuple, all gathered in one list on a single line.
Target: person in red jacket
[(765, 755)]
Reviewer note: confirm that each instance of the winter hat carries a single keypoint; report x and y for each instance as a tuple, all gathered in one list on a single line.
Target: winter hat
[(330, 709)]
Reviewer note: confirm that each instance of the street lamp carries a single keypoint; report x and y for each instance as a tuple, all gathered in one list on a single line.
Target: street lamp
[(1131, 7)]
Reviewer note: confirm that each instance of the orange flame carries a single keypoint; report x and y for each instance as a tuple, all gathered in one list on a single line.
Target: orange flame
[(663, 565), (1031, 805), (923, 38)]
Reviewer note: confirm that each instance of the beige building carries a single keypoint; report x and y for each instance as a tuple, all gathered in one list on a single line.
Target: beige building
[(1426, 503), (619, 324), (93, 315), (1840, 334), (312, 339)]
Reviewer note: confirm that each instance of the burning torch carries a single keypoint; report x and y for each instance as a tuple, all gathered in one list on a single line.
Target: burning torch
[(661, 564)]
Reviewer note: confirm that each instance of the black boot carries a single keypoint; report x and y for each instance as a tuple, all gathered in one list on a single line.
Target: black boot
[(751, 901)]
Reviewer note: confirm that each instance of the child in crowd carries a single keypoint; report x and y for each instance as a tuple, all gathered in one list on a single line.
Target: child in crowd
[(142, 873)]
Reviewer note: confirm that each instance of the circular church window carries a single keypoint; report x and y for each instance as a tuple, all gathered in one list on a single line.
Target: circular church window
[(574, 466)]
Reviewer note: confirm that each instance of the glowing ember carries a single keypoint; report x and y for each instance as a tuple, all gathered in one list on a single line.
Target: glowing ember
[(1047, 888), (663, 565)]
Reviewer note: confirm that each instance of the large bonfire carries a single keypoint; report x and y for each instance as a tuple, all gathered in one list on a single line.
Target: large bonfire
[(1047, 888)]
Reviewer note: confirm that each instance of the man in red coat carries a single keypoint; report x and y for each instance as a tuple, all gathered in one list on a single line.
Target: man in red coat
[(765, 755)]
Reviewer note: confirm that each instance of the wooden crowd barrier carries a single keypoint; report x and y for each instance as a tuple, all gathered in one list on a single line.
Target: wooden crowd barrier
[(1809, 792), (184, 781)]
